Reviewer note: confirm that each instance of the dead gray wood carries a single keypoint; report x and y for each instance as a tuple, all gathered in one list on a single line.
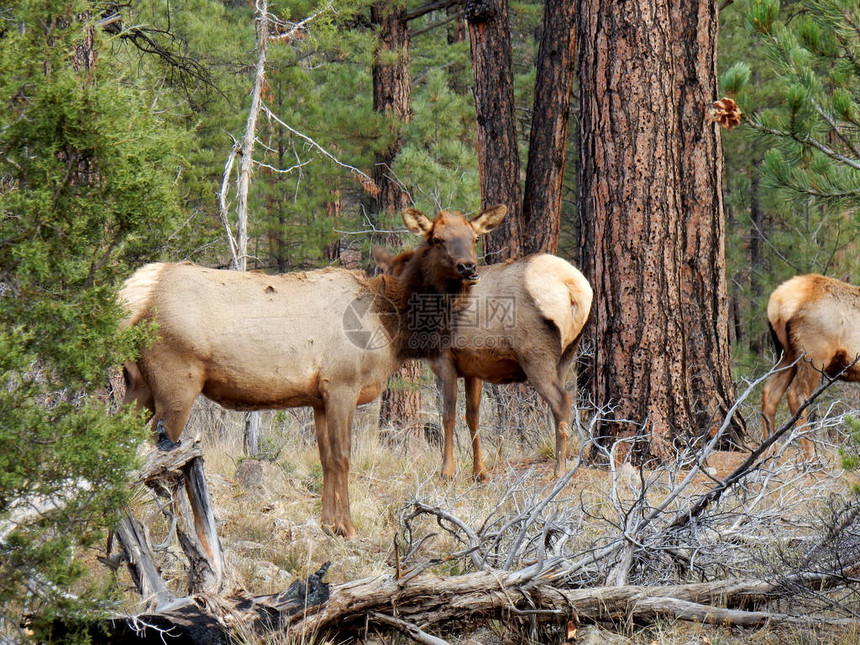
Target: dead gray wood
[(433, 601), (137, 553), (177, 475), (428, 601), (210, 619)]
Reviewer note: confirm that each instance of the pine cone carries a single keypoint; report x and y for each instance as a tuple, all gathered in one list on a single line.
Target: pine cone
[(725, 112)]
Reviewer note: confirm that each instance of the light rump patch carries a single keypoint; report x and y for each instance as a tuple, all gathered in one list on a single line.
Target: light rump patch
[(561, 293)]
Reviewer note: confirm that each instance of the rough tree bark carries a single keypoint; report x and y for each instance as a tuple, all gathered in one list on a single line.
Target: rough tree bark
[(631, 207), (392, 94), (704, 292), (548, 138), (498, 156)]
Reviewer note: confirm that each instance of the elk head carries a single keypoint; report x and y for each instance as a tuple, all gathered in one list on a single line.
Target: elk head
[(452, 239)]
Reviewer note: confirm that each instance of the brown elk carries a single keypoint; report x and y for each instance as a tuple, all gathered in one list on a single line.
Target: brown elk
[(328, 339), (523, 322), (815, 324)]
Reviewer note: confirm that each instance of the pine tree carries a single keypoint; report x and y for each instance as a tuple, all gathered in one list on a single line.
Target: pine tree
[(86, 184), (812, 126), (785, 214)]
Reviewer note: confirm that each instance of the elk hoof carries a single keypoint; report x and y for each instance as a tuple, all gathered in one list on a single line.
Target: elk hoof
[(446, 474), (344, 530), (481, 477)]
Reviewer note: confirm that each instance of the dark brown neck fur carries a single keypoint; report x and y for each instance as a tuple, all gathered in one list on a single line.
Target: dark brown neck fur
[(427, 304)]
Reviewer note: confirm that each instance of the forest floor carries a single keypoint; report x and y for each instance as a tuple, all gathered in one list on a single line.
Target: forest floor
[(267, 512)]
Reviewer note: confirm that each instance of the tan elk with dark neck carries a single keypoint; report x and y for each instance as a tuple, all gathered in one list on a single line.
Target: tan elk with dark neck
[(327, 339), (523, 322), (815, 323)]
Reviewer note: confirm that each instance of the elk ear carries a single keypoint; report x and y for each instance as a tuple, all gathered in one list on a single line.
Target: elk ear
[(417, 222), (489, 219), (382, 258)]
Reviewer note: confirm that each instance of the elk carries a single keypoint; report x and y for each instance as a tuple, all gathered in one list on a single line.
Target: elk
[(523, 322), (815, 325), (328, 339)]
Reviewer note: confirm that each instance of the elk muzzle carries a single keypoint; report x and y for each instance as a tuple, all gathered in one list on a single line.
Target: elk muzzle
[(468, 272)]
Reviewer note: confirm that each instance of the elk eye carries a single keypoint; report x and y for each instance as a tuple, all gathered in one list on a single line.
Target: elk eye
[(435, 241)]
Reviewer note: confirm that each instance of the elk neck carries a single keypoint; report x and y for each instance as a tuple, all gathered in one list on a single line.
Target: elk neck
[(428, 305)]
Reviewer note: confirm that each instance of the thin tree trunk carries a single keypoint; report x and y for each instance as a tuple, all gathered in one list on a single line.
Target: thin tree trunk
[(632, 220), (548, 139), (253, 427), (498, 156), (756, 250), (247, 152)]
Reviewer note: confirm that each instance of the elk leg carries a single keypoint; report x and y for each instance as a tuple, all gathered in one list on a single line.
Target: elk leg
[(173, 410), (799, 391), (446, 382), (771, 394), (473, 411), (174, 417), (327, 521), (174, 384), (339, 406), (550, 386)]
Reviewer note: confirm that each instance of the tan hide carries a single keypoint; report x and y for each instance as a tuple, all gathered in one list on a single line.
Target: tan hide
[(816, 324)]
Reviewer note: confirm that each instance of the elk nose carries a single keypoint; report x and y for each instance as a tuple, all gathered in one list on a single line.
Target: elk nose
[(468, 270)]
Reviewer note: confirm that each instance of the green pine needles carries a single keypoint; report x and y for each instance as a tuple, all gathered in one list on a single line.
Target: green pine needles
[(87, 188), (814, 47)]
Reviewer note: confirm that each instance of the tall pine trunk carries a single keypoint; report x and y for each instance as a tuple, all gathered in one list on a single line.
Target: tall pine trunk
[(401, 400), (498, 155), (650, 208), (703, 245), (548, 138)]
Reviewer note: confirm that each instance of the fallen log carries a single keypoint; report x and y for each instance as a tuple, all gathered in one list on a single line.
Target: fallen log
[(432, 600), (425, 602)]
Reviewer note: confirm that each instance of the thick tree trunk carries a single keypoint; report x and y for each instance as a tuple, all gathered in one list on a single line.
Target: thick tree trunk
[(631, 207), (392, 94), (548, 139), (498, 156), (703, 270), (401, 400)]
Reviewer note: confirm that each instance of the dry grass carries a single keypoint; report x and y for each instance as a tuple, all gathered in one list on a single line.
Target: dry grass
[(269, 526)]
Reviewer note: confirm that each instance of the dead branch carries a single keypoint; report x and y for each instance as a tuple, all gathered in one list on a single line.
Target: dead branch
[(137, 553)]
